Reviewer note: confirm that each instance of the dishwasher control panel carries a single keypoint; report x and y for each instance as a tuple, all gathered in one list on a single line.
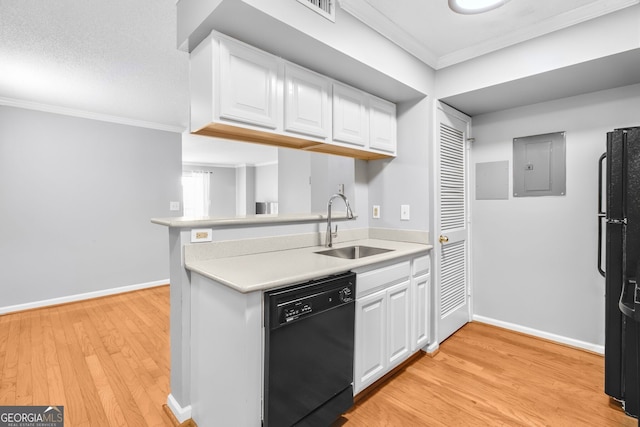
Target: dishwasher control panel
[(292, 313), (307, 299)]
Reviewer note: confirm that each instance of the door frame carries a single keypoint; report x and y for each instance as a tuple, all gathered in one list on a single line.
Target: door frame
[(439, 108)]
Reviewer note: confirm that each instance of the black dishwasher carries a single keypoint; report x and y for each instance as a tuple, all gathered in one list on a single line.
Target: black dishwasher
[(309, 341)]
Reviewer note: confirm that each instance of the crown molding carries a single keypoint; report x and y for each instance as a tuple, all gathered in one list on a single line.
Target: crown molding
[(370, 16), (29, 105), (555, 23)]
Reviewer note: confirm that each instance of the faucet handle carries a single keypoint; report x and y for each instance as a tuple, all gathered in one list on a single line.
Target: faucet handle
[(335, 233)]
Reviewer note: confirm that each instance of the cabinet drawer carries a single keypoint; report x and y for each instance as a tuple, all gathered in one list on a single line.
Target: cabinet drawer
[(373, 280), (421, 265)]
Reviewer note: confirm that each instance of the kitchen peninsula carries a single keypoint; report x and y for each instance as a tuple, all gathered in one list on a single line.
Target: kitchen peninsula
[(217, 303)]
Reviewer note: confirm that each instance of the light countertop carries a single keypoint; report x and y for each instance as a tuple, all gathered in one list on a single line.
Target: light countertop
[(245, 220), (267, 270)]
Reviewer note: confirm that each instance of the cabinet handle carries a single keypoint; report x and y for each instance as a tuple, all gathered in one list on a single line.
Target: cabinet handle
[(443, 239)]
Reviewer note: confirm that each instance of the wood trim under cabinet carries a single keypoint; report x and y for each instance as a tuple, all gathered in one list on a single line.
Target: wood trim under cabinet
[(237, 133)]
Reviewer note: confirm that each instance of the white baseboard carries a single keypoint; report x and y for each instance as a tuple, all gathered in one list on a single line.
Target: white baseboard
[(541, 334), (181, 414), (80, 297), (432, 348)]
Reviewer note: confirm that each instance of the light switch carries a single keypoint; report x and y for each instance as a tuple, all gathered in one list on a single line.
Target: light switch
[(376, 211), (405, 213)]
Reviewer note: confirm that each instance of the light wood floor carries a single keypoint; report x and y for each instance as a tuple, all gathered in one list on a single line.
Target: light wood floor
[(107, 362), (487, 376)]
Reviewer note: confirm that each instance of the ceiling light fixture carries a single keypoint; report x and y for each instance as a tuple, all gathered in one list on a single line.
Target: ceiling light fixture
[(469, 7)]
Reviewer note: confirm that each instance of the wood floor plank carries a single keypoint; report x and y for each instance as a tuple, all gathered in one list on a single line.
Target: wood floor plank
[(40, 393), (24, 387), (8, 380), (125, 400), (140, 392), (75, 408), (108, 399), (4, 339), (487, 376), (55, 383), (76, 352)]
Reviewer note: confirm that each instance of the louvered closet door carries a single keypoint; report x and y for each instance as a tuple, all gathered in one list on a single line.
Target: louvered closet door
[(452, 249)]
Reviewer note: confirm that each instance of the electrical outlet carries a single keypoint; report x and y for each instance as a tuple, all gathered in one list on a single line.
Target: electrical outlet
[(201, 235), (376, 211), (405, 214), (341, 189), (174, 206)]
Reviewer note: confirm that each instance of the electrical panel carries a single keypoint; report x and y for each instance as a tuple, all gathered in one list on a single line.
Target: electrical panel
[(539, 165)]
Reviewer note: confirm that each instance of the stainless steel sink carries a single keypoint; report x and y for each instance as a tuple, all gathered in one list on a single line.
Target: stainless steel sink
[(354, 252)]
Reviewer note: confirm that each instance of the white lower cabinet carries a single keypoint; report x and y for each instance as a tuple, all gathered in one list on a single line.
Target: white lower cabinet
[(392, 318), (420, 288), (371, 333), (398, 323)]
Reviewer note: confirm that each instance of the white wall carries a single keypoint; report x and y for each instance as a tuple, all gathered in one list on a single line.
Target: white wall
[(405, 179), (534, 259), (327, 172), (267, 182), (245, 190), (76, 199), (294, 185)]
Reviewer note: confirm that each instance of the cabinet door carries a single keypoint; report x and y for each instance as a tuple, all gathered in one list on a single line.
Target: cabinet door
[(350, 115), (382, 125), (420, 293), (370, 348), (398, 323), (248, 85), (306, 106)]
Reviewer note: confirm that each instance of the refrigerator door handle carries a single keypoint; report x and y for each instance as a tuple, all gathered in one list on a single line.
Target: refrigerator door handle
[(602, 216)]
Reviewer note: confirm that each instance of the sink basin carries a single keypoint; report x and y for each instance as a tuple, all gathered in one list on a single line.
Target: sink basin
[(354, 252)]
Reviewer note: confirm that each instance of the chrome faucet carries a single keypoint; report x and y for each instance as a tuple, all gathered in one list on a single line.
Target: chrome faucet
[(330, 234)]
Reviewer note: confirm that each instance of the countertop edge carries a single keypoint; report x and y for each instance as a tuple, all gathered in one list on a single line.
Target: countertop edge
[(191, 222), (338, 266)]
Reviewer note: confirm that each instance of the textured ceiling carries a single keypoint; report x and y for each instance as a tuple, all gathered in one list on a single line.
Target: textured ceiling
[(115, 57)]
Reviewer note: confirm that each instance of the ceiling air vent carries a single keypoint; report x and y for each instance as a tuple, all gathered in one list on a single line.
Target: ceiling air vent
[(325, 8)]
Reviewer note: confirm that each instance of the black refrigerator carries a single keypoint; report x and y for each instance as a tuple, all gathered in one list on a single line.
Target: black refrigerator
[(619, 191)]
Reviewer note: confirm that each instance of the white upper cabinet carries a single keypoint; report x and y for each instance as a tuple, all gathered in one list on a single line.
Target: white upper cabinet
[(242, 93), (307, 107), (350, 115), (382, 125), (248, 89)]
